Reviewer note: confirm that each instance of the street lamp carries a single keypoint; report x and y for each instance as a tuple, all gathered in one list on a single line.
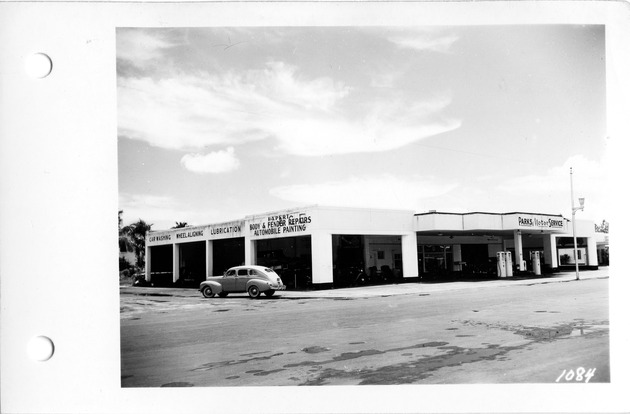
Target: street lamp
[(573, 210)]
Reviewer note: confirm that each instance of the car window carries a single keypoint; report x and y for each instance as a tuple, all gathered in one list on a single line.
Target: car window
[(242, 272), (253, 272), (231, 273)]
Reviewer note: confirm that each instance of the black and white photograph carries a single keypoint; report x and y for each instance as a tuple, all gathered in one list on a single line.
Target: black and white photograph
[(315, 206)]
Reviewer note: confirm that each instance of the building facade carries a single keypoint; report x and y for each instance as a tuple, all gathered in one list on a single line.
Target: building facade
[(324, 247)]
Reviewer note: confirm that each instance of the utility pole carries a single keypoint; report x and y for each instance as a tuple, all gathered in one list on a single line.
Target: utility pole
[(573, 210)]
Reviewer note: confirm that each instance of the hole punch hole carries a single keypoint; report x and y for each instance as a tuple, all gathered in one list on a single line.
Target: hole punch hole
[(38, 65), (41, 348)]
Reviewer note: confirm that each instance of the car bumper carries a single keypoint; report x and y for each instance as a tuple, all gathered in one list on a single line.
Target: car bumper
[(278, 287)]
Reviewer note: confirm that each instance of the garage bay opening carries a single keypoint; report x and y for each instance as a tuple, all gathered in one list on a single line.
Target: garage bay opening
[(289, 257)]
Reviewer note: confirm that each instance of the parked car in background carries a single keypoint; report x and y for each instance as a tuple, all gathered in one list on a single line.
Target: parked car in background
[(239, 279)]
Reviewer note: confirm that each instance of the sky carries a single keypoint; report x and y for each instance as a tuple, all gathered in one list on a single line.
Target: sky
[(215, 124)]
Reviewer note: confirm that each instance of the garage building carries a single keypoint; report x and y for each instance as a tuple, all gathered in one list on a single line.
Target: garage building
[(320, 247)]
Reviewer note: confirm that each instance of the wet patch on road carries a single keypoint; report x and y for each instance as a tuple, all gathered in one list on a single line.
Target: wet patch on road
[(221, 364), (416, 370), (153, 294), (255, 353), (265, 373), (356, 343), (364, 353), (178, 384), (315, 349), (411, 371), (545, 333), (359, 354), (222, 310)]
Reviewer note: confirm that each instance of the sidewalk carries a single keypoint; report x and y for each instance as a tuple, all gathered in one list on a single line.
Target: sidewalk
[(412, 288), (420, 288)]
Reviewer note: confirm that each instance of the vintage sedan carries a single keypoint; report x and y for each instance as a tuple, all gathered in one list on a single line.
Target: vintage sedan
[(251, 279)]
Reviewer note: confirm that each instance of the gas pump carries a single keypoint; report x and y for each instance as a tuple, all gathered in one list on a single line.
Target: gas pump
[(535, 258), (501, 265), (509, 272)]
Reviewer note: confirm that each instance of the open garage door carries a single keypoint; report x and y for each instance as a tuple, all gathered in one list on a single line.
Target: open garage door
[(192, 263), (161, 265), (290, 257), (227, 253), (366, 260)]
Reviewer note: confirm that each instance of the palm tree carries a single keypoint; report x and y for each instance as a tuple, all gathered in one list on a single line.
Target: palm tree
[(124, 243), (180, 224), (135, 233)]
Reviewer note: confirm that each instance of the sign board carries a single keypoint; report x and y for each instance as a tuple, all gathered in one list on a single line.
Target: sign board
[(287, 224), (522, 221), (200, 233)]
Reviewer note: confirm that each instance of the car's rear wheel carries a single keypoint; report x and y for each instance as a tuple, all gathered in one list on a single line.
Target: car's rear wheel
[(253, 291), (222, 294), (270, 292), (207, 292)]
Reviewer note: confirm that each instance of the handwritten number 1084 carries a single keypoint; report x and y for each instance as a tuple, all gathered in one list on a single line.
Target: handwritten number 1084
[(579, 375)]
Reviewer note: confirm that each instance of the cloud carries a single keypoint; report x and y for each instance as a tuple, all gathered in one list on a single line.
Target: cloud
[(163, 211), (382, 191), (214, 162), (139, 47), (424, 41), (304, 116), (552, 188)]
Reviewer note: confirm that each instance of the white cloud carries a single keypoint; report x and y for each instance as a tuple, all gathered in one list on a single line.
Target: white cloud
[(424, 41), (164, 211), (552, 188), (214, 162), (305, 116), (383, 191), (139, 47)]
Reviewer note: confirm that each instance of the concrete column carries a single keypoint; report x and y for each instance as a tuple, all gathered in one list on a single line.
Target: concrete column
[(457, 257), (322, 257), (591, 251), (147, 263), (409, 249), (550, 250), (175, 262), (424, 265), (254, 252), (250, 251), (366, 254), (518, 250), (209, 259)]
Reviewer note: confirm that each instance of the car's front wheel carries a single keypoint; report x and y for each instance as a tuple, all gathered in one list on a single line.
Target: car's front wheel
[(253, 291), (270, 292), (207, 292)]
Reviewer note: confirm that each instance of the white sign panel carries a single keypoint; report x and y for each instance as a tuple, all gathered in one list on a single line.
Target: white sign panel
[(533, 221), (280, 224)]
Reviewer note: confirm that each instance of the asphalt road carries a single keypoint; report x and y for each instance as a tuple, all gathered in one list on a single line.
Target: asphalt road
[(504, 334)]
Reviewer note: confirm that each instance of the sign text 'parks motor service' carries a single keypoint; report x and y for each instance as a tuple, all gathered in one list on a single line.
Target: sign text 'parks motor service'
[(540, 222)]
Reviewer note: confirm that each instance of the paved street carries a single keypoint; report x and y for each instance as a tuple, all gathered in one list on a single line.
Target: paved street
[(517, 331)]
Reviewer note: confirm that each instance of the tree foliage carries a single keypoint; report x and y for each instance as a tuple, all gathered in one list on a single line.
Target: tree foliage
[(603, 228), (134, 234), (179, 225)]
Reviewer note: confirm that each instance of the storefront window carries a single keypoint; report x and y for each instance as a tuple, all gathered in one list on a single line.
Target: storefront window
[(435, 259)]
